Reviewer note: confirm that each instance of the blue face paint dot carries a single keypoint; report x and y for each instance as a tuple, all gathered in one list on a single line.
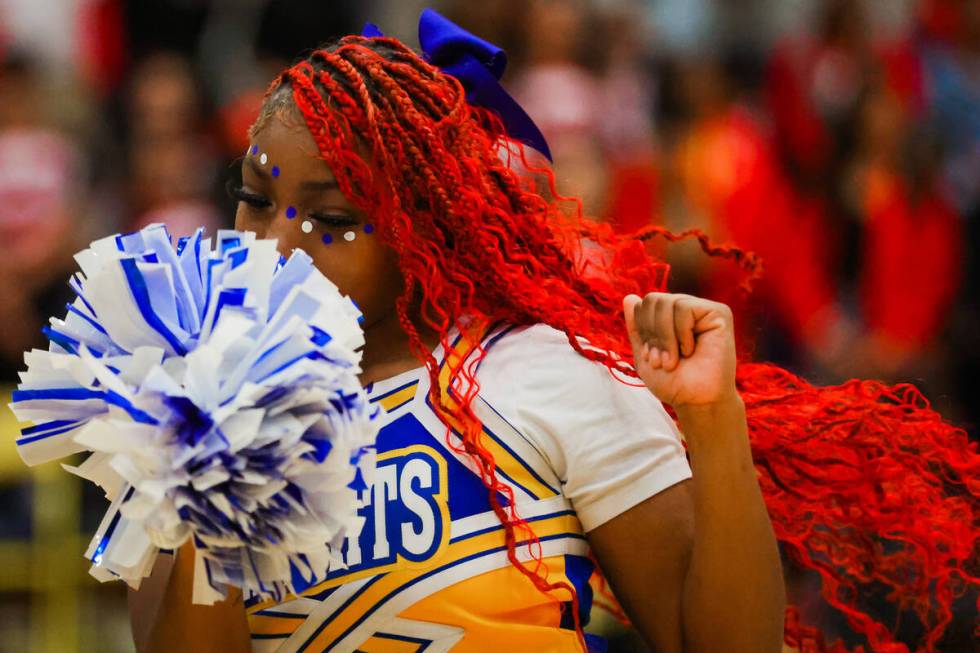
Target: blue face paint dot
[(368, 228), (275, 171), (327, 239), (290, 212), (255, 149)]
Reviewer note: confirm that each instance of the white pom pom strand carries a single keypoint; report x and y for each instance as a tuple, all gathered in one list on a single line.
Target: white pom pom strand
[(215, 385)]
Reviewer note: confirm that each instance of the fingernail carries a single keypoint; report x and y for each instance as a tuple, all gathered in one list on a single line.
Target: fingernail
[(653, 353)]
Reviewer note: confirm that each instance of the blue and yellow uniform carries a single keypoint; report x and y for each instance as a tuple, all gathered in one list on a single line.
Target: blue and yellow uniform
[(429, 570)]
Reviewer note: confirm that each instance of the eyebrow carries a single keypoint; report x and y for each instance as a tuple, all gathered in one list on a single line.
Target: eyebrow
[(320, 186)]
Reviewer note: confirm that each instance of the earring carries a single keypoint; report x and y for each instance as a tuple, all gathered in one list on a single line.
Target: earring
[(307, 226)]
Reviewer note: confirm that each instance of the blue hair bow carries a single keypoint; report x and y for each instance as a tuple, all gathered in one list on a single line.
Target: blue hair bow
[(478, 65)]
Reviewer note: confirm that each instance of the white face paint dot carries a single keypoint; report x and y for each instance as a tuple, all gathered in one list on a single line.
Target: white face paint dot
[(307, 226), (263, 158), (349, 236)]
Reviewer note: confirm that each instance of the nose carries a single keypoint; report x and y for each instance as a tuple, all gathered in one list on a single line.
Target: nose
[(286, 231)]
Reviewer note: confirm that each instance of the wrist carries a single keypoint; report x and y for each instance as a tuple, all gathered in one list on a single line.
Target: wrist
[(720, 424), (724, 408)]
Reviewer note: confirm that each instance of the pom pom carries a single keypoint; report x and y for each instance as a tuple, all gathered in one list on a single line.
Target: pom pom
[(217, 391)]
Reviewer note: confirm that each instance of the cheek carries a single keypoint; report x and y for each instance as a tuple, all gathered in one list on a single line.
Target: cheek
[(243, 222), (365, 270)]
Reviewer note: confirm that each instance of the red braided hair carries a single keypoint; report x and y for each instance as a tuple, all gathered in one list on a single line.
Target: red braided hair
[(864, 483)]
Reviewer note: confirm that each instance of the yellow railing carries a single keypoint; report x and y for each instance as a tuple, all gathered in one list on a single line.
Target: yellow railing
[(50, 567)]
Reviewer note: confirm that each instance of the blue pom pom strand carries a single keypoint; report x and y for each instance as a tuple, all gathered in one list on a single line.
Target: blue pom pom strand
[(190, 359)]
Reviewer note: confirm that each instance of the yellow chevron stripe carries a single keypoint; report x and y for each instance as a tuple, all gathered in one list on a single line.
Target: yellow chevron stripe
[(509, 464), (265, 625), (387, 645), (367, 600), (517, 617), (398, 398)]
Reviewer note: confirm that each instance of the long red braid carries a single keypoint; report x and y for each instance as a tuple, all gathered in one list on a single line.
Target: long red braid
[(864, 483)]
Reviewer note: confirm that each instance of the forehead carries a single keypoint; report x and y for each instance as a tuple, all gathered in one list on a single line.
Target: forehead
[(289, 147)]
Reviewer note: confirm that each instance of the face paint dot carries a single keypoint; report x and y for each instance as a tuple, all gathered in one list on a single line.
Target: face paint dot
[(368, 228), (255, 149), (349, 236), (307, 226), (264, 158), (327, 239), (275, 171), (290, 212)]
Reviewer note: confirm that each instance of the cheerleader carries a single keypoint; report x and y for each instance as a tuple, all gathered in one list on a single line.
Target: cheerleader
[(553, 419)]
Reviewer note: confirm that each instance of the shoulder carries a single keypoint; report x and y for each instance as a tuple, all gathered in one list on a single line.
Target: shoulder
[(610, 443), (538, 348), (538, 362), (533, 374), (528, 335)]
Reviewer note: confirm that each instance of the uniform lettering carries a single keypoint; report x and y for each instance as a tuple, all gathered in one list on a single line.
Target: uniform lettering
[(417, 542), (405, 511), (385, 489)]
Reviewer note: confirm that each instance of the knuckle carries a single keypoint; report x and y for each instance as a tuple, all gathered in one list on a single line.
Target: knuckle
[(684, 313)]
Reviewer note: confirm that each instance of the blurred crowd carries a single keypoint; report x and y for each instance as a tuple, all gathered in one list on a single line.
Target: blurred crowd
[(837, 139), (842, 145)]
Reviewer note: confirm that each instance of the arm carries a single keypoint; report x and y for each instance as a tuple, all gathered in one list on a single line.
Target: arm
[(734, 553), (163, 617), (696, 566)]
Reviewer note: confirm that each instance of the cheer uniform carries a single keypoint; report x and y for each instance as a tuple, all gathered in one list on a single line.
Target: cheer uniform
[(429, 570)]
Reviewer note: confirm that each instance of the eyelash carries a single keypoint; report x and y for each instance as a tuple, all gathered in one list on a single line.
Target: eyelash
[(239, 194), (335, 220)]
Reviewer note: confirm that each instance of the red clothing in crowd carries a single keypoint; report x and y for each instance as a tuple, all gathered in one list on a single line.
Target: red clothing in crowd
[(733, 176), (911, 261)]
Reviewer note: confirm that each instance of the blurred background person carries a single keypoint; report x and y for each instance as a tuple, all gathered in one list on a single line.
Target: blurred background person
[(40, 199), (173, 163), (562, 93)]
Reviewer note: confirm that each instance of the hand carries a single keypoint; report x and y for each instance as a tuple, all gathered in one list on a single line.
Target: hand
[(683, 348)]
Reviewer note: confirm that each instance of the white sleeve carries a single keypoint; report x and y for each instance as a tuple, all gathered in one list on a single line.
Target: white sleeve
[(611, 445)]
